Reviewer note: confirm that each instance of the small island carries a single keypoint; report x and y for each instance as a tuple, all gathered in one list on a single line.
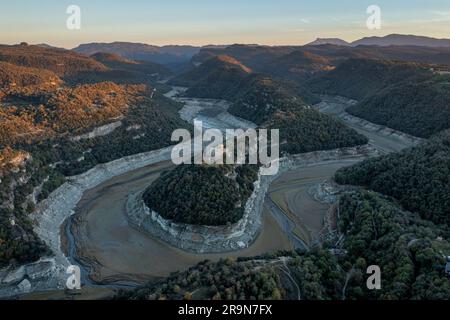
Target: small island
[(202, 194)]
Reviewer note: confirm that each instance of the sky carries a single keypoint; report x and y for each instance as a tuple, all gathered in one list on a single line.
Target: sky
[(202, 22)]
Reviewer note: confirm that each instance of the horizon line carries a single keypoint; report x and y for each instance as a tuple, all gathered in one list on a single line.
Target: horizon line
[(218, 44)]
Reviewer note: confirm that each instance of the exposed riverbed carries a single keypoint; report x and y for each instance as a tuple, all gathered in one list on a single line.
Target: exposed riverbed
[(98, 235)]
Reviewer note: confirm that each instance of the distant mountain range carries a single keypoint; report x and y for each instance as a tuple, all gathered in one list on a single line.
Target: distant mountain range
[(179, 57), (334, 41), (389, 40), (167, 55)]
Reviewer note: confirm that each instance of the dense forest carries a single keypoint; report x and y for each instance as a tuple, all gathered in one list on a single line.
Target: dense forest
[(272, 105), (359, 78), (220, 77), (298, 65), (420, 108), (409, 97), (226, 279), (419, 178), (410, 252), (262, 96), (202, 194), (306, 130)]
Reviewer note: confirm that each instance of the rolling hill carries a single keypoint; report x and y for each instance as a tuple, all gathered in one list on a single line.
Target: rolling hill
[(141, 51), (359, 78), (385, 41), (270, 103), (146, 68), (409, 97), (418, 178), (402, 40), (202, 194), (420, 108), (63, 63), (333, 41), (298, 65), (219, 77)]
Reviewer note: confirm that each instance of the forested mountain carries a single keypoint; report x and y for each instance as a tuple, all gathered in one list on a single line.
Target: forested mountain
[(273, 104), (388, 40), (359, 78), (141, 51), (305, 130), (402, 40), (410, 251), (420, 108), (202, 195), (51, 127), (419, 178), (298, 65), (12, 76), (146, 68), (64, 63), (270, 103), (76, 68), (261, 96), (33, 115), (409, 97), (258, 57), (333, 41), (253, 56), (292, 63), (223, 71)]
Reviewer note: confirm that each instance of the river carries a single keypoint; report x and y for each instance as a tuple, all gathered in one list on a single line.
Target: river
[(114, 254)]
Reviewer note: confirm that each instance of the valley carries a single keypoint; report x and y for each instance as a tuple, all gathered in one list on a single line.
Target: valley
[(115, 253), (87, 177)]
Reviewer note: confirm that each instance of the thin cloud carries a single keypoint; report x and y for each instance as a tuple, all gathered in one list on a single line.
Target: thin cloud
[(441, 13)]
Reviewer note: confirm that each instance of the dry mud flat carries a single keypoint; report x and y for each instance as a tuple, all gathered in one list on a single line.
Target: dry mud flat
[(49, 273), (291, 197), (118, 252), (115, 251)]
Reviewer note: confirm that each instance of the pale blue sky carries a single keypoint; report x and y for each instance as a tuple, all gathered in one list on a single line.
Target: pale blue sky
[(200, 22)]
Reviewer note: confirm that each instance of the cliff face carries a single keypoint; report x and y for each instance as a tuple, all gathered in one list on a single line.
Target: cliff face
[(99, 131), (49, 273), (202, 239)]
